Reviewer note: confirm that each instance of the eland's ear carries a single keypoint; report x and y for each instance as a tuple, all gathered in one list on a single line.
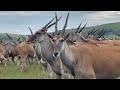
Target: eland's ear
[(44, 30), (59, 33), (66, 36), (50, 36), (53, 33)]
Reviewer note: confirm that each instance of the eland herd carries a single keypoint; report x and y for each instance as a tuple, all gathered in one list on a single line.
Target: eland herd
[(82, 58)]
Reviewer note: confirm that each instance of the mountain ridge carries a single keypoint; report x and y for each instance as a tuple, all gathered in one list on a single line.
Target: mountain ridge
[(111, 28)]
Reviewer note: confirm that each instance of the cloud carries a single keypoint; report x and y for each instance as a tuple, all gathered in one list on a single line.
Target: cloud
[(18, 21), (21, 13), (30, 13), (104, 15)]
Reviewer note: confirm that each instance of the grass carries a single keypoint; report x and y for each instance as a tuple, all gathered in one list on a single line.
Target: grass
[(32, 71)]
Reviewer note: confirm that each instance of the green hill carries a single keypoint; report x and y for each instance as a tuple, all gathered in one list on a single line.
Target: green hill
[(4, 37), (110, 28)]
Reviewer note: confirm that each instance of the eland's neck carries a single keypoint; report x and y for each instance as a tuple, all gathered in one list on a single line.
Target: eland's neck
[(47, 49), (67, 57), (79, 38)]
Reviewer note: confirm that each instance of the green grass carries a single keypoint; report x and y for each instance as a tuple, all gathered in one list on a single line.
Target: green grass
[(32, 71)]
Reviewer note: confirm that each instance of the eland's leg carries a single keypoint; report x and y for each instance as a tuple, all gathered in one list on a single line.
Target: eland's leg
[(13, 60), (58, 76), (18, 62), (4, 60), (44, 68), (67, 76), (50, 74), (23, 61)]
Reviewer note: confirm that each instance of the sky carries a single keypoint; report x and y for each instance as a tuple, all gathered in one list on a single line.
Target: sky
[(17, 22)]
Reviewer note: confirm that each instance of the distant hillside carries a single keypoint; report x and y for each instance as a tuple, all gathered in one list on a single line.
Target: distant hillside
[(110, 28), (14, 36)]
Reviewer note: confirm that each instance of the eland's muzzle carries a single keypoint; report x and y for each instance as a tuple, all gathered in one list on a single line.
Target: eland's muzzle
[(55, 54)]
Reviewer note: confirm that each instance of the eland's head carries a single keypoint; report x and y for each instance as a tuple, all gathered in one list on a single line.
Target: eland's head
[(40, 34), (58, 41)]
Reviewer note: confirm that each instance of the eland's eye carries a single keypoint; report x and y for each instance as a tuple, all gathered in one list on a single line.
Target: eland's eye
[(53, 40), (62, 40), (38, 33)]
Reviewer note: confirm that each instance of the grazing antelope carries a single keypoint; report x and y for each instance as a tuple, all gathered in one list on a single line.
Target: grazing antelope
[(87, 61), (5, 49), (8, 47), (22, 50), (2, 54)]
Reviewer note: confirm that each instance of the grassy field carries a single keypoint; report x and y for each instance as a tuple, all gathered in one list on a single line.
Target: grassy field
[(32, 71)]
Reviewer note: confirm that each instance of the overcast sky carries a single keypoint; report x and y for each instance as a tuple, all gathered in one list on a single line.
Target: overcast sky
[(17, 22)]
